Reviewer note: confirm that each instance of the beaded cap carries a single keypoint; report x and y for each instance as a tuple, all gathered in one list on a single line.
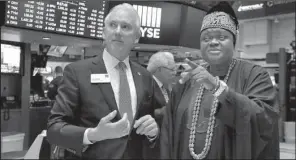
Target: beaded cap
[(219, 20)]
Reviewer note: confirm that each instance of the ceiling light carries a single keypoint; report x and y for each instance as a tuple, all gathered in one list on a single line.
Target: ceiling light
[(276, 20), (46, 38)]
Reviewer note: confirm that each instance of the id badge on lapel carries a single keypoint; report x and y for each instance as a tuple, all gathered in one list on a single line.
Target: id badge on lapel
[(100, 78)]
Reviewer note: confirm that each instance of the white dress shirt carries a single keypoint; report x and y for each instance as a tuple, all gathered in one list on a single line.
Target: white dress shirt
[(110, 64), (160, 84)]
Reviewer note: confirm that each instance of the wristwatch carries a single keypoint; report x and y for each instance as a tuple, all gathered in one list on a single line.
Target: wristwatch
[(217, 85), (221, 88)]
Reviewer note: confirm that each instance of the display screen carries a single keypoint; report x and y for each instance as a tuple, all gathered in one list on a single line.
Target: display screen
[(160, 21), (76, 18), (10, 58)]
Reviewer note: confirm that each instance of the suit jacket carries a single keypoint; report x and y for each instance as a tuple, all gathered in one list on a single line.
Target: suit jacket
[(154, 153), (81, 104), (159, 96), (159, 112)]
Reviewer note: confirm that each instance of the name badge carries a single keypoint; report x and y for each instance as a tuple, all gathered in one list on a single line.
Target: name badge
[(99, 78)]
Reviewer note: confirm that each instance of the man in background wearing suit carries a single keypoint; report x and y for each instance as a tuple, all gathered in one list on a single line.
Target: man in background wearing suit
[(163, 67), (105, 105)]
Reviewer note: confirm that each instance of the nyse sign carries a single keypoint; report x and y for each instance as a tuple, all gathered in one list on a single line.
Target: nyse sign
[(150, 32), (150, 19), (159, 21)]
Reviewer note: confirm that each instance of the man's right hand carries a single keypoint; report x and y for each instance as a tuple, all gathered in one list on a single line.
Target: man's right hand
[(108, 130)]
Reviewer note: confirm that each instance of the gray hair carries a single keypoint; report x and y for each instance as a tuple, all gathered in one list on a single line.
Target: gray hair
[(160, 59), (128, 7)]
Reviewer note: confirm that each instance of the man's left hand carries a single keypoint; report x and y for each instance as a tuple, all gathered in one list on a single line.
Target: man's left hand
[(200, 75), (146, 125)]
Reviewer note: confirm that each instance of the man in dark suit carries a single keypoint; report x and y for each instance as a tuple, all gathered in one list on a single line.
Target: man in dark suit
[(163, 67), (105, 105)]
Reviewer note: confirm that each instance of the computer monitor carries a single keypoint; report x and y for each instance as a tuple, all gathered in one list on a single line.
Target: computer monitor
[(11, 57)]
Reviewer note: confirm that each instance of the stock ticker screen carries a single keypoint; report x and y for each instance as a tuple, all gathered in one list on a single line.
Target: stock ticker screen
[(75, 18), (160, 21)]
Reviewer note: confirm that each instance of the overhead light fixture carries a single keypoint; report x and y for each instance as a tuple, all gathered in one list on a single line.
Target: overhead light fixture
[(46, 38)]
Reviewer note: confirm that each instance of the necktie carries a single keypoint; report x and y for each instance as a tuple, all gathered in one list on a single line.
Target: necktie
[(165, 94), (125, 105)]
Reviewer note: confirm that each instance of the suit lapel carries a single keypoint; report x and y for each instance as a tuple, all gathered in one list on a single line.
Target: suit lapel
[(137, 75), (98, 67), (159, 95)]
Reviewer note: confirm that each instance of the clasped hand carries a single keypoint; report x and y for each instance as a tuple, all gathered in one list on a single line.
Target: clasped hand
[(146, 125), (200, 75)]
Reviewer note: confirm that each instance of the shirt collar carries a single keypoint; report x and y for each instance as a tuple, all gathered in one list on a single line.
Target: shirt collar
[(160, 84), (111, 62)]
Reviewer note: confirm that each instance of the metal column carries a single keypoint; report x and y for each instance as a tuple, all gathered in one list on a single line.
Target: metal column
[(282, 90)]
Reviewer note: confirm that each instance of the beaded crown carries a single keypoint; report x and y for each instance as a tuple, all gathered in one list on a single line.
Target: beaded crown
[(219, 20)]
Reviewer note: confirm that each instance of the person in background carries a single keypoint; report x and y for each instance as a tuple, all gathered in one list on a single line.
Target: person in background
[(227, 109), (46, 83), (55, 83), (163, 68), (105, 105)]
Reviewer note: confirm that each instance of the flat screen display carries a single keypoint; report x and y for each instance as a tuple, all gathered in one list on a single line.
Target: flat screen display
[(160, 21), (10, 58), (76, 18)]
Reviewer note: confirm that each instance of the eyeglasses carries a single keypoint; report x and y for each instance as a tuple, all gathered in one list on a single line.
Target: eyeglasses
[(171, 69), (174, 70)]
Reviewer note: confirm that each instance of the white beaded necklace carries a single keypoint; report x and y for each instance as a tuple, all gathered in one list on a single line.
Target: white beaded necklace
[(211, 123)]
